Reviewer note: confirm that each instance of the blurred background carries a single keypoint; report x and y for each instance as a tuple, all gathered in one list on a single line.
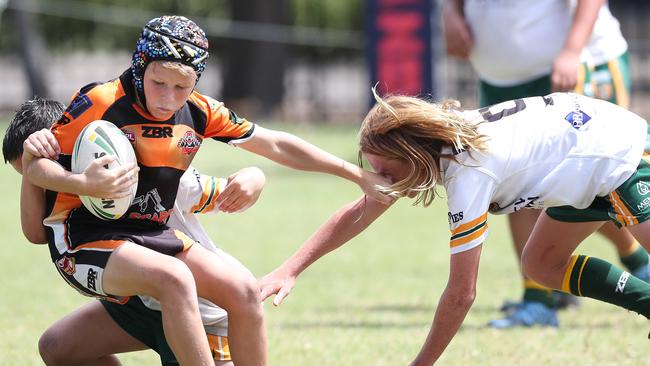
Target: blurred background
[(310, 63), (288, 60)]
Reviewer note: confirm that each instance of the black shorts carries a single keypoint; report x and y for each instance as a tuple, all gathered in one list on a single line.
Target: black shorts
[(82, 264)]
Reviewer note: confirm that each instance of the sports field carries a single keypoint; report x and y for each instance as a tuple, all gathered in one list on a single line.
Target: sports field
[(370, 303)]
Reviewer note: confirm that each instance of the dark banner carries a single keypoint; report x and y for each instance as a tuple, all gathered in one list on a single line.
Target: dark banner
[(399, 46)]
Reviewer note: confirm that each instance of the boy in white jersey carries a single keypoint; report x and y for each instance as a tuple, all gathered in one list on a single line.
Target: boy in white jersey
[(137, 325), (553, 151), (578, 46)]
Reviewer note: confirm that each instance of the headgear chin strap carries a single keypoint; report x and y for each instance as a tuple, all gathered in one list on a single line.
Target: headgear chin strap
[(168, 38)]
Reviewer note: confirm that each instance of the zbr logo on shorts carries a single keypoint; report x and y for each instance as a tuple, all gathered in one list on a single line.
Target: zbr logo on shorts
[(67, 265), (643, 188)]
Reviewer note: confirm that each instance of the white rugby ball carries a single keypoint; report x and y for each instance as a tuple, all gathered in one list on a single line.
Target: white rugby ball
[(97, 139)]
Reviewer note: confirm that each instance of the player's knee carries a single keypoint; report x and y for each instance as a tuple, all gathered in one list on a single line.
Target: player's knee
[(247, 295), (50, 350), (528, 264), (533, 267), (173, 279)]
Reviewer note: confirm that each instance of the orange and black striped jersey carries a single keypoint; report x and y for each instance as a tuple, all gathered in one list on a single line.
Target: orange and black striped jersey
[(164, 150)]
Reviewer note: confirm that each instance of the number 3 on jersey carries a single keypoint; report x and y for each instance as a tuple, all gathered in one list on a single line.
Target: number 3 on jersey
[(493, 117)]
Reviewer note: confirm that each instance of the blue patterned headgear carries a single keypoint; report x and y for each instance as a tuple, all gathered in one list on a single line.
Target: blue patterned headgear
[(169, 38)]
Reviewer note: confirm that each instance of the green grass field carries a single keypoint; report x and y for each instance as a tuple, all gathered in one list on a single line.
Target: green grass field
[(370, 303)]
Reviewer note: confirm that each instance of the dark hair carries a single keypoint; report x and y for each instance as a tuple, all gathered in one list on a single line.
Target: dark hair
[(31, 116)]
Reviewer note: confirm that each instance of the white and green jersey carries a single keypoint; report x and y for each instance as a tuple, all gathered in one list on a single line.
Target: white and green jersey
[(197, 194), (562, 149), (516, 41)]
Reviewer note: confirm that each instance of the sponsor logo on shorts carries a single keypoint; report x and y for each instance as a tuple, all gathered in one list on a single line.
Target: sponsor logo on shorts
[(67, 265), (643, 204), (92, 279), (643, 188), (622, 281), (189, 143)]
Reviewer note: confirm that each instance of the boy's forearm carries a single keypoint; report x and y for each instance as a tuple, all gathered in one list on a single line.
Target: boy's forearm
[(50, 175)]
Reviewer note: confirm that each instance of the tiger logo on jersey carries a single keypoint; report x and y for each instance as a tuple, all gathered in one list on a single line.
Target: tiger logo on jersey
[(189, 143)]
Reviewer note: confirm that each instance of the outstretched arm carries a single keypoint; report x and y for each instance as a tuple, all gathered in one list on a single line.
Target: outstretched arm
[(345, 224), (294, 152), (453, 305)]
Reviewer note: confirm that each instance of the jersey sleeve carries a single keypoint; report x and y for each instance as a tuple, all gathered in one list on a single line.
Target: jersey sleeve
[(468, 198), (224, 125), (197, 193)]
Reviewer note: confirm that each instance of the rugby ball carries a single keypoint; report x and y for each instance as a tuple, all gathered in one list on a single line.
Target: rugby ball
[(97, 139)]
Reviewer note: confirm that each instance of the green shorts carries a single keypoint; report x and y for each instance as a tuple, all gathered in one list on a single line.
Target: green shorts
[(146, 326), (628, 205), (143, 324), (609, 81)]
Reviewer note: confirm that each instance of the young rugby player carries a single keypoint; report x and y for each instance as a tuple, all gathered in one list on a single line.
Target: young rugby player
[(72, 340), (154, 102), (580, 157), (579, 46)]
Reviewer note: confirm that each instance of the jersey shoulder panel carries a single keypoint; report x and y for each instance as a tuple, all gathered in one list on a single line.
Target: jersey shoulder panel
[(87, 105)]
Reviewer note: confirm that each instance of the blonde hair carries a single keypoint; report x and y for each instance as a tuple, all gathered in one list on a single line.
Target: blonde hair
[(415, 131), (183, 69)]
